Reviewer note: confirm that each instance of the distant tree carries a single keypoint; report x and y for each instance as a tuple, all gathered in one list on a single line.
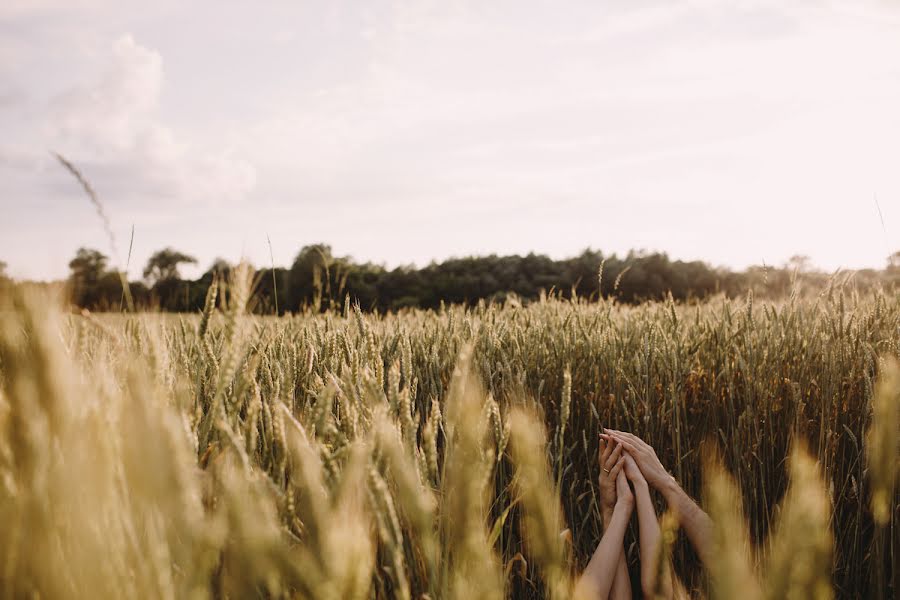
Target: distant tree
[(4, 278), (799, 263), (362, 284), (893, 261), (309, 277), (268, 282), (320, 280), (219, 267), (163, 265), (88, 269), (88, 265)]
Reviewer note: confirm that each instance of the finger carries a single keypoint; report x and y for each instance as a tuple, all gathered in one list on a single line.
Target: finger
[(636, 440), (615, 436), (633, 464), (624, 436), (611, 457), (628, 446), (627, 435), (605, 449), (614, 472), (614, 457)]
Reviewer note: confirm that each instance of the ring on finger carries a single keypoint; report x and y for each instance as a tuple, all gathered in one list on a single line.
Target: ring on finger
[(606, 470)]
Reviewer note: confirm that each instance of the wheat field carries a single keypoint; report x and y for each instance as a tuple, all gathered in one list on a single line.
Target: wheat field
[(440, 454)]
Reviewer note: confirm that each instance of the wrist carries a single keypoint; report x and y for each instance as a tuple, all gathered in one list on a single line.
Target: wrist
[(606, 519), (667, 487), (640, 485), (623, 507)]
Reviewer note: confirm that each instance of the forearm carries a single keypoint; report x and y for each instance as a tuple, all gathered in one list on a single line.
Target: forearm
[(621, 586), (696, 523), (648, 531), (597, 579)]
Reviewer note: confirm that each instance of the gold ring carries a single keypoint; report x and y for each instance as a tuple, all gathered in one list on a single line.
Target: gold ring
[(605, 469)]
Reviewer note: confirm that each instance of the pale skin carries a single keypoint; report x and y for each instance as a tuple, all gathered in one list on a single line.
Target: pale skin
[(696, 523), (607, 565), (625, 458), (608, 456), (648, 533)]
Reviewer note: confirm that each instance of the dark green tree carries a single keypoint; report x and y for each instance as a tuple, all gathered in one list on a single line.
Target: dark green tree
[(309, 277), (163, 265), (88, 271), (219, 268)]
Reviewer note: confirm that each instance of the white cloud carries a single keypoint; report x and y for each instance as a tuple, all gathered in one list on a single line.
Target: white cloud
[(116, 113), (113, 125), (408, 131), (110, 126), (109, 122)]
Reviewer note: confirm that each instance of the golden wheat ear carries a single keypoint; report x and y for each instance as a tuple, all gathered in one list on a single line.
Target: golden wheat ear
[(883, 441), (799, 564), (543, 519), (474, 570), (732, 574)]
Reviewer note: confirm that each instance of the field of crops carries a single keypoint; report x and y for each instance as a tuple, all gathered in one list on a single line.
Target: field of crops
[(440, 454)]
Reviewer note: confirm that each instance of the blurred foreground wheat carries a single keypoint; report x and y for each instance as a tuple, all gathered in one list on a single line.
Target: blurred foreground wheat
[(407, 456)]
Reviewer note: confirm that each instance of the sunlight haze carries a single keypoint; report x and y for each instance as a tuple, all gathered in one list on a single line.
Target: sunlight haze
[(735, 132)]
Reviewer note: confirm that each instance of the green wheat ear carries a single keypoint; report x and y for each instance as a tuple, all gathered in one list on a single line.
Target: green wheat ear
[(883, 441), (414, 455)]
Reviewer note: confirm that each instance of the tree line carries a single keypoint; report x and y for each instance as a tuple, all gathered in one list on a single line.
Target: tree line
[(318, 280)]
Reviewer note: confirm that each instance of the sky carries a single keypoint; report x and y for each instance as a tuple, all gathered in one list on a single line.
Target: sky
[(737, 132)]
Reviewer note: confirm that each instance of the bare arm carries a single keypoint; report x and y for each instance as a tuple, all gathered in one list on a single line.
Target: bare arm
[(692, 519), (621, 586), (648, 527), (610, 453), (597, 580), (695, 522)]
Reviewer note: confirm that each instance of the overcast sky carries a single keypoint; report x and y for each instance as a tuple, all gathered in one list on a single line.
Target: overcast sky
[(735, 132)]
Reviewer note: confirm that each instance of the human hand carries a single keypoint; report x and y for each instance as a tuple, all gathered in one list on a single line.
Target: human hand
[(624, 495), (611, 462), (633, 472), (643, 455)]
